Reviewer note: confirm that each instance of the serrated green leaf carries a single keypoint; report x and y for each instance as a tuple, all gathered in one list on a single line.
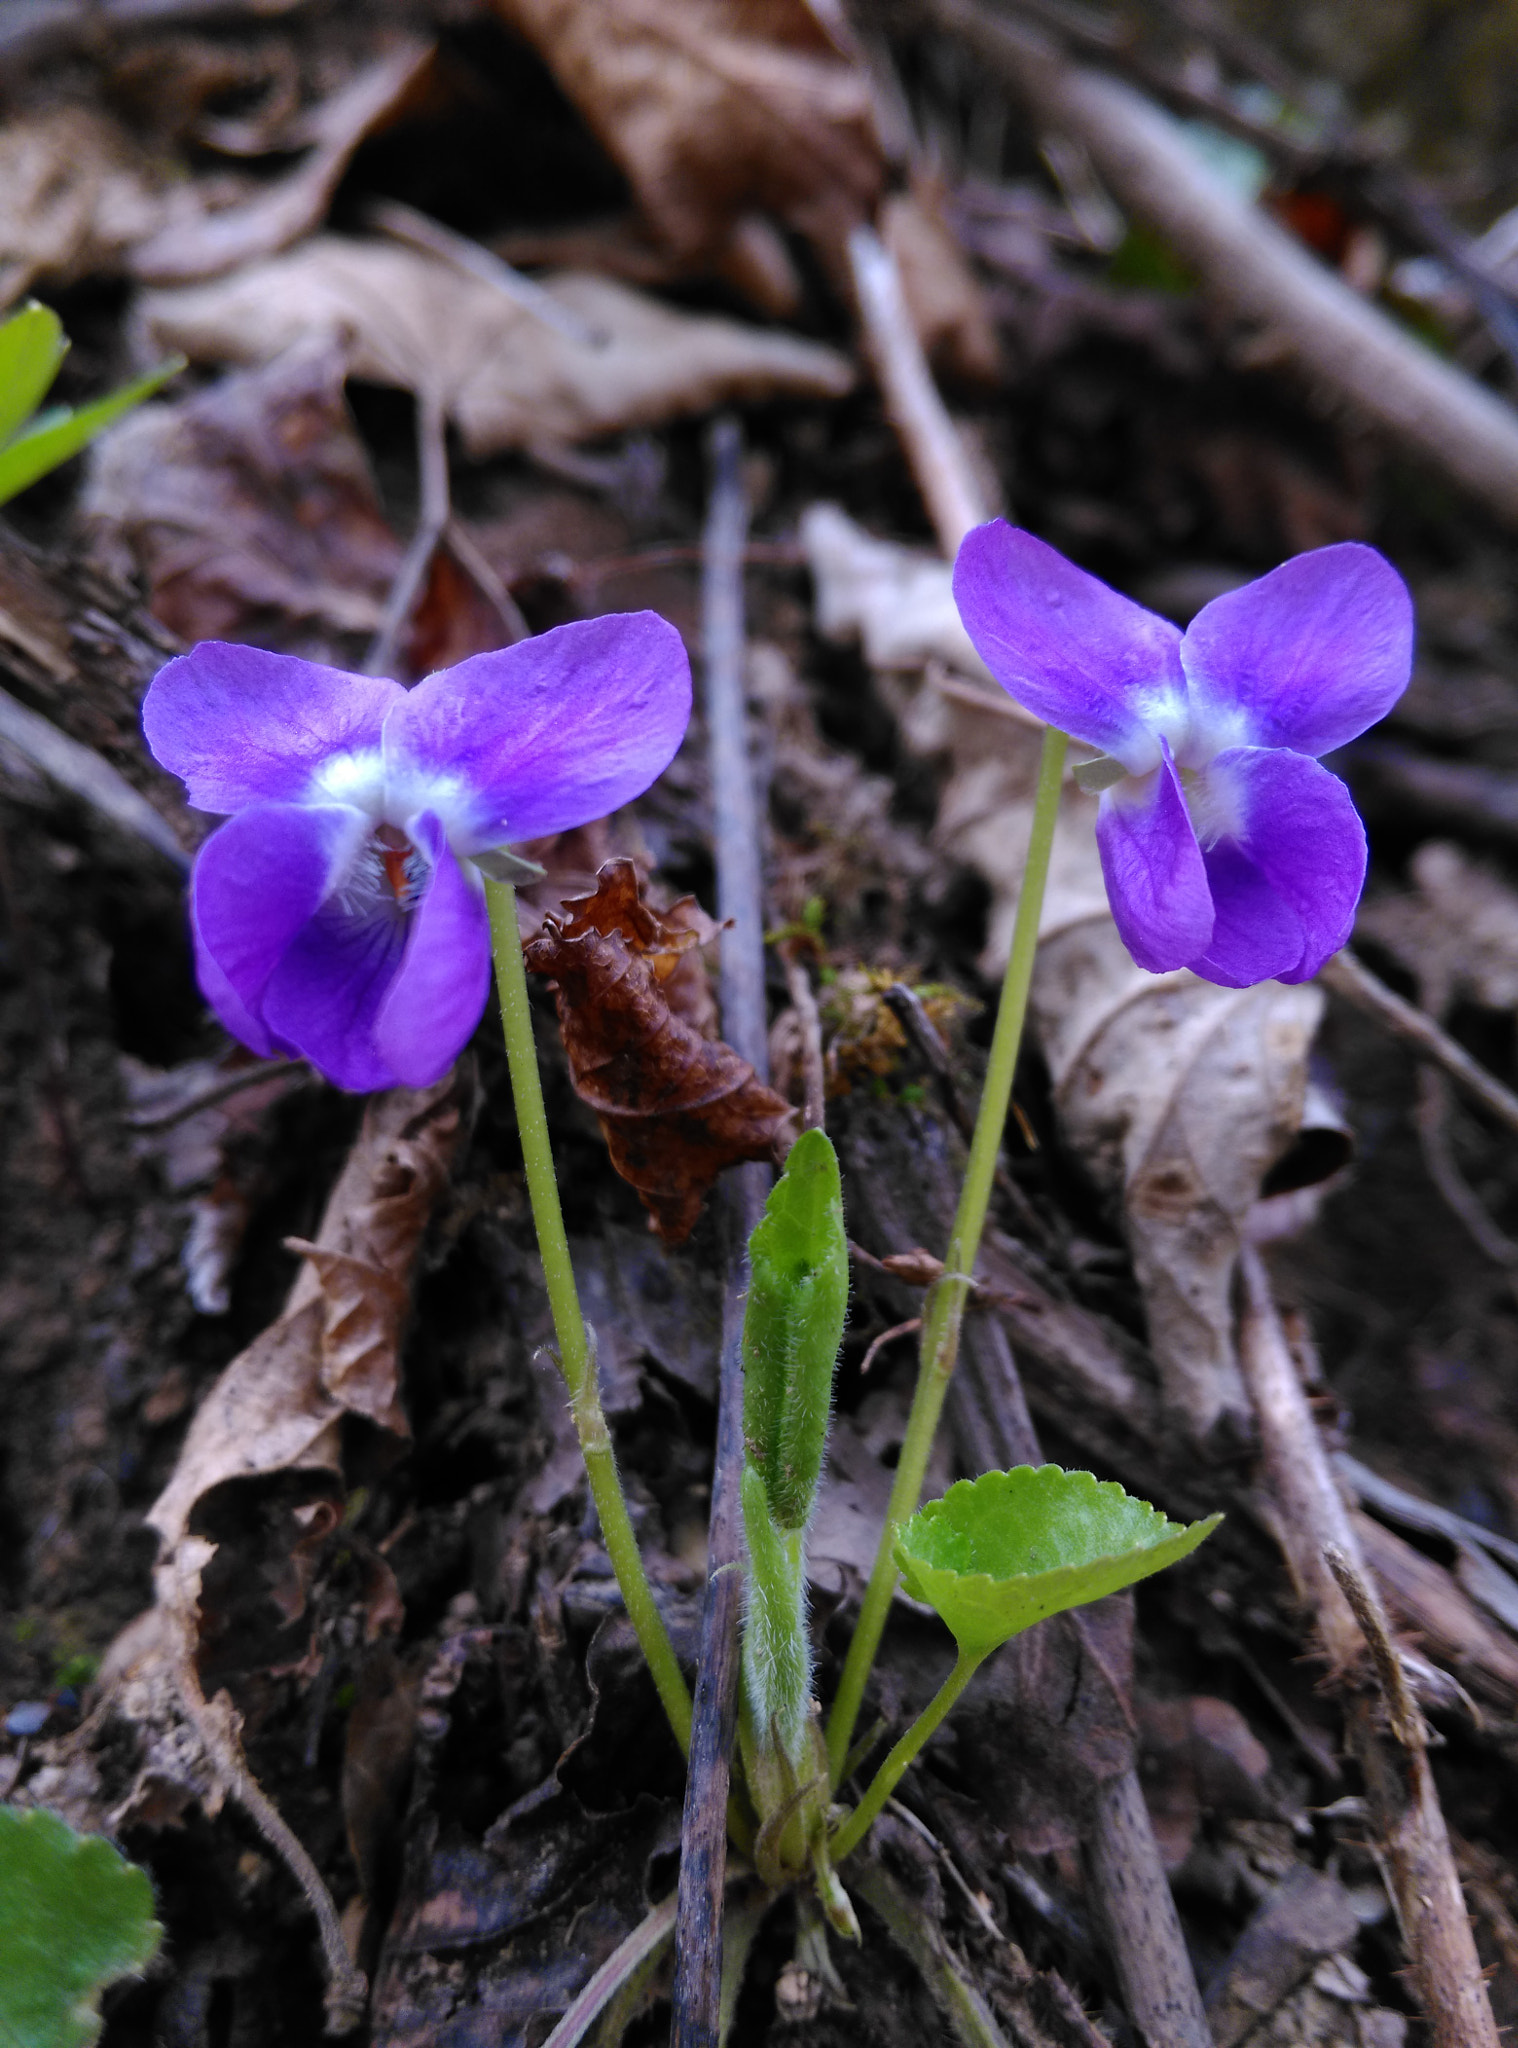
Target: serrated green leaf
[(793, 1325), (1001, 1552), (32, 345), (74, 1916), (48, 442)]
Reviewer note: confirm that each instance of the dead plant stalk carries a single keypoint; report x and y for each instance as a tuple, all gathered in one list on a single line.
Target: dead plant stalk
[(1326, 1563)]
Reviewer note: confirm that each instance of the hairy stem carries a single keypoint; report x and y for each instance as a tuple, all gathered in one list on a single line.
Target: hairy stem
[(577, 1358), (890, 1774), (946, 1305)]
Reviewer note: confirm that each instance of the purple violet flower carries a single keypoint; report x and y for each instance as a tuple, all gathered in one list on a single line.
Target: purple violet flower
[(338, 913), (1226, 846)]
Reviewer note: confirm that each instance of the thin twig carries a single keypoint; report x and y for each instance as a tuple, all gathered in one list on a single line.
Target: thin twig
[(418, 231), (1253, 266), (1328, 1567), (878, 1344), (249, 1077), (81, 771), (948, 484), (462, 548), (813, 1073), (432, 516), (630, 1956), (1348, 976), (703, 1835), (1432, 1120)]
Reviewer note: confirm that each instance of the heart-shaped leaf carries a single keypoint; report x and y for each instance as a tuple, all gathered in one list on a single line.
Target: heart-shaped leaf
[(1000, 1552), (74, 1916)]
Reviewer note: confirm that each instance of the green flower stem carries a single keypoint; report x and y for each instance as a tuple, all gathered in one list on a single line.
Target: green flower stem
[(577, 1357), (946, 1304), (889, 1776)]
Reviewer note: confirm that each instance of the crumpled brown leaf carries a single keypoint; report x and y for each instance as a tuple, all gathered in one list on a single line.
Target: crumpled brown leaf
[(216, 240), (334, 1351), (250, 508), (505, 378), (717, 110), (675, 1108), (1178, 1096)]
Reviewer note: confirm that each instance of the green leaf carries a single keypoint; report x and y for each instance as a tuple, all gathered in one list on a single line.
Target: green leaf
[(32, 345), (792, 1327), (74, 1916), (1000, 1552), (48, 442)]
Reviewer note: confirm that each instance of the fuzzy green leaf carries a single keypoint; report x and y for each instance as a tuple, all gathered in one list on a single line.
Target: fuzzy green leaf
[(32, 345), (793, 1325), (63, 432), (74, 1916), (1000, 1552)]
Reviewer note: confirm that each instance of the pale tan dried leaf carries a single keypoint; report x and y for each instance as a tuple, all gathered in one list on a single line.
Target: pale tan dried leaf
[(75, 195), (333, 1351), (1177, 1096), (506, 379), (213, 241), (717, 109)]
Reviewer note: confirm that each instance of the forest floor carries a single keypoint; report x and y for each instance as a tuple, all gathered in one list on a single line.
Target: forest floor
[(401, 1591)]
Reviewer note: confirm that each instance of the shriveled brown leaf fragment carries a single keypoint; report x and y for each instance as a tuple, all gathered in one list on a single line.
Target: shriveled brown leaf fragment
[(717, 110), (249, 507), (675, 1108)]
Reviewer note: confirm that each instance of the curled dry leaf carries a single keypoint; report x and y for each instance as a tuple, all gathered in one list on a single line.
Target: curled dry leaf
[(717, 110), (248, 507), (675, 1108), (506, 379), (1177, 1096), (334, 1351), (216, 240)]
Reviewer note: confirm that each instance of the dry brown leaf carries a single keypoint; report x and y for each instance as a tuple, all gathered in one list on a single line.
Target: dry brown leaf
[(717, 110), (1177, 1096), (75, 195), (334, 1350), (506, 379), (675, 1108), (216, 240), (250, 507)]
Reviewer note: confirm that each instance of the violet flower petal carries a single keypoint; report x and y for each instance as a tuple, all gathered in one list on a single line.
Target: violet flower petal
[(325, 994), (1307, 657), (1156, 882), (258, 880), (242, 726), (1301, 837), (545, 735), (1071, 651), (439, 990), (1256, 934)]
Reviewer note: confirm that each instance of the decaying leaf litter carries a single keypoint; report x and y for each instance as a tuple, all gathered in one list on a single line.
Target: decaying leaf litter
[(303, 1604)]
